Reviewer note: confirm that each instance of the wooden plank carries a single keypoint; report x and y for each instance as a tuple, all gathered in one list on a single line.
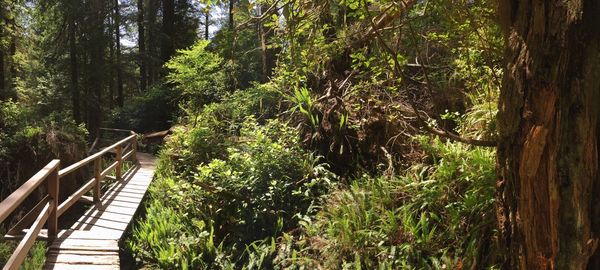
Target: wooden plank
[(90, 244), (119, 158), (16, 259), (97, 179), (100, 258), (53, 189), (86, 200), (64, 266), (93, 241), (8, 205)]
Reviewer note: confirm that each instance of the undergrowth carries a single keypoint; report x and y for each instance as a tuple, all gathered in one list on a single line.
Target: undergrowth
[(435, 216)]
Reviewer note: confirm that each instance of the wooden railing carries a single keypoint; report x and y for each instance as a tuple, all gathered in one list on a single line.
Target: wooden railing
[(48, 210)]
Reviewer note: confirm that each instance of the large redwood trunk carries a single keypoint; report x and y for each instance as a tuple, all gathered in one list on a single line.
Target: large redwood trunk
[(548, 152)]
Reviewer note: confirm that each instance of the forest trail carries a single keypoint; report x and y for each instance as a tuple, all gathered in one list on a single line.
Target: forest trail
[(93, 241)]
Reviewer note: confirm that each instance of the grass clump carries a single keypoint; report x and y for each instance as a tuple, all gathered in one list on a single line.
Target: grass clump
[(435, 216)]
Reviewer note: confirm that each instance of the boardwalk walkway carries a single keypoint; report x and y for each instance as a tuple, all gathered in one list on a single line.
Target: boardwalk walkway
[(93, 241)]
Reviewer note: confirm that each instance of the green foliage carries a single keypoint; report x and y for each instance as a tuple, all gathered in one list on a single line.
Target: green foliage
[(434, 217), (27, 142), (153, 111), (306, 105), (254, 192), (198, 74), (209, 132), (35, 258)]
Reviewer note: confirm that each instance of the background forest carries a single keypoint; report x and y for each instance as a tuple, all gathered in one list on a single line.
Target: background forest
[(350, 134)]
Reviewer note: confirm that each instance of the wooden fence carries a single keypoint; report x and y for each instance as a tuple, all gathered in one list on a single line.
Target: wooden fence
[(48, 210)]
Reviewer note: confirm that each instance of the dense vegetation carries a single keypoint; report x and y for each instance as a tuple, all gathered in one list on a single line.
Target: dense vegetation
[(321, 165), (351, 134)]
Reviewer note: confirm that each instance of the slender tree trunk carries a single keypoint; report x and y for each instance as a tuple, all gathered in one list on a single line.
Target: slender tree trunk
[(120, 97), (151, 48), (111, 72), (231, 6), (168, 27), (548, 189), (13, 66), (97, 81), (74, 70), (232, 32), (267, 54), (142, 46), (2, 80), (206, 22)]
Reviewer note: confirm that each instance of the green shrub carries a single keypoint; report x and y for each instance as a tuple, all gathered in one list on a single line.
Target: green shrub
[(208, 134), (260, 182), (435, 216), (198, 75), (153, 111)]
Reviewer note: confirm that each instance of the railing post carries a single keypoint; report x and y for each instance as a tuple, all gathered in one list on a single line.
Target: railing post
[(119, 169), (134, 148), (97, 180), (53, 189)]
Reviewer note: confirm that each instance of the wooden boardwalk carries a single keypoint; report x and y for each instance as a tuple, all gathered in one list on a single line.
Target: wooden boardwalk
[(93, 241)]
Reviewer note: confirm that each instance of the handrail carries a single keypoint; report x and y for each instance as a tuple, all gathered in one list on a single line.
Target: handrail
[(52, 210), (91, 158), (8, 205)]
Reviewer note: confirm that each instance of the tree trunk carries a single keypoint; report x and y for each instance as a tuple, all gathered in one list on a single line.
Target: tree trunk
[(168, 26), (74, 70), (548, 205), (231, 6), (111, 72), (142, 46), (97, 81), (2, 80), (120, 98), (267, 54), (151, 49), (206, 22)]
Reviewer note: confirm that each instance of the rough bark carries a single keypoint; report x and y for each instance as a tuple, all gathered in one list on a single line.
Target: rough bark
[(206, 23), (151, 49), (168, 27), (267, 54), (74, 70), (120, 97), (142, 46), (548, 124), (2, 80), (96, 79)]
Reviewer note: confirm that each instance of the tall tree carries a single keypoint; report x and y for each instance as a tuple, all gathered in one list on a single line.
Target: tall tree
[(206, 21), (95, 71), (168, 29), (2, 90), (142, 46), (151, 48), (74, 83), (549, 204), (117, 14), (267, 54)]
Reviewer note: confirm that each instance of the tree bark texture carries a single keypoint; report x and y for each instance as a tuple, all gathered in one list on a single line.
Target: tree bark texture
[(120, 97), (74, 70), (142, 46), (2, 80), (168, 28), (548, 207)]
